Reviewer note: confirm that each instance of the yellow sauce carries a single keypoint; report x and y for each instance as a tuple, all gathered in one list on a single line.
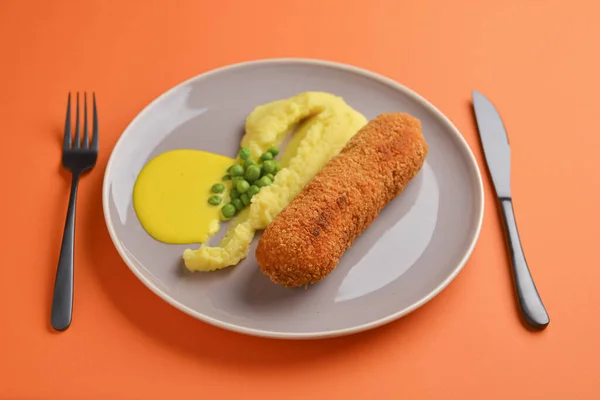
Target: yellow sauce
[(326, 124), (171, 193)]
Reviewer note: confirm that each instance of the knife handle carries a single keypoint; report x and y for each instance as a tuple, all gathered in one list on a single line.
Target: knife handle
[(529, 300)]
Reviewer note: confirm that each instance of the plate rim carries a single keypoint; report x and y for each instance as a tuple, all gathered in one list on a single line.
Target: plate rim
[(470, 158)]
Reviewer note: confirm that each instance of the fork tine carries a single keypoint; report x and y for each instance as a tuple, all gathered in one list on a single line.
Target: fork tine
[(95, 125), (85, 144), (76, 144), (67, 138)]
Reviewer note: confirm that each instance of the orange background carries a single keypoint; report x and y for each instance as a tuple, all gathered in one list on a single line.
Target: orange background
[(538, 62)]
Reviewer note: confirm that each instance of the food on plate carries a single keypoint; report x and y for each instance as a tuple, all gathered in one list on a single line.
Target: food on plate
[(172, 196), (324, 125), (214, 200), (248, 177), (306, 240)]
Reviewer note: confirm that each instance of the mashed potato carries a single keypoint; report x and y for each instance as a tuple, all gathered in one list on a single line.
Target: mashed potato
[(326, 124)]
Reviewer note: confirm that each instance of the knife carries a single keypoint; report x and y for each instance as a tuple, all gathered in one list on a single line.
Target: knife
[(497, 154)]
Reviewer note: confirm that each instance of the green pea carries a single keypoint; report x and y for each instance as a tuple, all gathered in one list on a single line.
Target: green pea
[(244, 153), (248, 163), (242, 186), (237, 170), (217, 188), (274, 151), (237, 203), (253, 190), (245, 199), (228, 210), (264, 181), (268, 167), (226, 177), (214, 200), (263, 171), (266, 156), (234, 194), (270, 176), (277, 166), (252, 173)]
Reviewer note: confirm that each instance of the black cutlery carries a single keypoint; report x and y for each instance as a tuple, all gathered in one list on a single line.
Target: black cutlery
[(497, 154), (78, 156)]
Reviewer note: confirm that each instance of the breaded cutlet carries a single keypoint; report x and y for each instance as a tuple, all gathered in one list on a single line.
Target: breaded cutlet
[(305, 242)]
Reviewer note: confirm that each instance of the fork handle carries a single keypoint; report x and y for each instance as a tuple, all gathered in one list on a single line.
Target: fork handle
[(62, 300), (529, 300)]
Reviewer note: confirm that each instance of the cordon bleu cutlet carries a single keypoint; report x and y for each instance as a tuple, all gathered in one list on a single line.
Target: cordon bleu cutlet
[(305, 242)]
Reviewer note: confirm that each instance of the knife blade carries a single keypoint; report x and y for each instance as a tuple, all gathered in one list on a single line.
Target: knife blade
[(496, 149), (494, 142)]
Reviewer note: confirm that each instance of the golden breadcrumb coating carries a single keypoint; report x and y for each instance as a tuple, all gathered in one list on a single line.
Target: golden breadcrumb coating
[(305, 242)]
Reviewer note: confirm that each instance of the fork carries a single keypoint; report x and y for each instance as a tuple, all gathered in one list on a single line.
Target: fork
[(78, 157)]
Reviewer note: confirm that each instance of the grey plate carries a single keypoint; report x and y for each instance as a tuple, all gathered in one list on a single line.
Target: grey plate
[(417, 245)]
